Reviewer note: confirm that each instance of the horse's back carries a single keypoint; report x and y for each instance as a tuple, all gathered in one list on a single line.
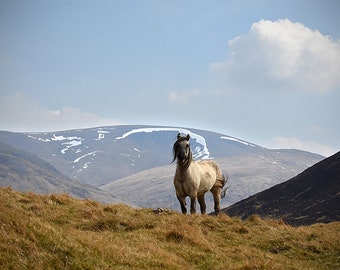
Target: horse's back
[(208, 164), (209, 171)]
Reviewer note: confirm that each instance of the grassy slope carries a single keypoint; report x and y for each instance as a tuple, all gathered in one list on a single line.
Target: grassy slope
[(59, 232)]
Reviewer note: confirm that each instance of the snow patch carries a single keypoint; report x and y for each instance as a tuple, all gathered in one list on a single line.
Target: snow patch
[(101, 134), (237, 140), (273, 162), (102, 129), (39, 139), (202, 153), (72, 141), (86, 165), (83, 156), (62, 138), (69, 145), (277, 164)]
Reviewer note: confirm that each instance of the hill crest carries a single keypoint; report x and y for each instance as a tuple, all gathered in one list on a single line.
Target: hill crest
[(60, 232), (310, 197)]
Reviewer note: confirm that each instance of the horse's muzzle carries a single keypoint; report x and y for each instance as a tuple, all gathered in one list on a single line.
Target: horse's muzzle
[(181, 156)]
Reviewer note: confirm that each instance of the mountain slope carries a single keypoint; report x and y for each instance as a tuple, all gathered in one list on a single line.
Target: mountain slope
[(103, 155), (248, 174), (26, 172), (312, 196)]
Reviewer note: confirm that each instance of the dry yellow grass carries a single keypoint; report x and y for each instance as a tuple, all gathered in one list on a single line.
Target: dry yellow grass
[(59, 232)]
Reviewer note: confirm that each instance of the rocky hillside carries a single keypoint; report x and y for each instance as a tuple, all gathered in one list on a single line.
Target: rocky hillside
[(312, 196)]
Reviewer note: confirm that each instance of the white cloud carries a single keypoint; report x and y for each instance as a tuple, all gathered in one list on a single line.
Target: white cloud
[(18, 113), (295, 143), (282, 55), (182, 97), (318, 130)]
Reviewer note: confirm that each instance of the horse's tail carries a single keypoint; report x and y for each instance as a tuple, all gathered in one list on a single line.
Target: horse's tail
[(221, 181)]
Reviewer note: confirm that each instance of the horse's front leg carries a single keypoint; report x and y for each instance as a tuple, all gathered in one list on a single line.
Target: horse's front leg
[(193, 204), (182, 202)]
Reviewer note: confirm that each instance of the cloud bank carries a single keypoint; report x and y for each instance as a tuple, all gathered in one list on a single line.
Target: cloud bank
[(18, 113), (295, 143), (281, 55)]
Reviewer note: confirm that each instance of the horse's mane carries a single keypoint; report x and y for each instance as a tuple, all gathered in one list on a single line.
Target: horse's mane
[(187, 162)]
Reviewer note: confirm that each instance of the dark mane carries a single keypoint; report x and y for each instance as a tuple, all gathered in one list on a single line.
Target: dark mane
[(187, 161)]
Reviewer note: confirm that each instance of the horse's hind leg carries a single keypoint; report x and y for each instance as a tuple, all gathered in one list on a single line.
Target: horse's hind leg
[(201, 201)]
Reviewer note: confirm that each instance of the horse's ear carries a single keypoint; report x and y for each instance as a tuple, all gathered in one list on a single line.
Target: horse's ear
[(178, 135), (188, 137)]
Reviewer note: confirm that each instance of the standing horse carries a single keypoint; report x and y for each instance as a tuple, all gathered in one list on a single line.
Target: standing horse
[(194, 179)]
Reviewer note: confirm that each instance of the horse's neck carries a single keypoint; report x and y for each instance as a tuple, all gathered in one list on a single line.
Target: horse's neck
[(184, 166)]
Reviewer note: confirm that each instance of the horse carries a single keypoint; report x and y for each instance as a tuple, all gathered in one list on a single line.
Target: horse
[(194, 179)]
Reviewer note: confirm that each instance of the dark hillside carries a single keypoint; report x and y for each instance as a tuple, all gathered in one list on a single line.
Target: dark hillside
[(26, 172), (312, 196)]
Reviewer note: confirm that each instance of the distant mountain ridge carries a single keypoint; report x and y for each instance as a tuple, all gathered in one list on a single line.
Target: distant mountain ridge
[(310, 197), (103, 155), (23, 171), (100, 155)]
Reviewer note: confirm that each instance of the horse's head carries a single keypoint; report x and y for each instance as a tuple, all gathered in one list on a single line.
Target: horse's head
[(181, 149)]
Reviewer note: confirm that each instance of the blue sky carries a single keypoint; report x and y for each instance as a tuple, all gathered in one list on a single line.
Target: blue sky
[(263, 71)]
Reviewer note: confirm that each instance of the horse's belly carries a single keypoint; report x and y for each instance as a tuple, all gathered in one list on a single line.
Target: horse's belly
[(204, 188), (207, 182)]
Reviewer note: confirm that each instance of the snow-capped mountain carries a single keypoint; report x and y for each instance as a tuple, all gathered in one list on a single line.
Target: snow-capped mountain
[(100, 156)]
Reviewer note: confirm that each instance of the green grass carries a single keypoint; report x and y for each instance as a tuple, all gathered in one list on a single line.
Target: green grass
[(60, 232)]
